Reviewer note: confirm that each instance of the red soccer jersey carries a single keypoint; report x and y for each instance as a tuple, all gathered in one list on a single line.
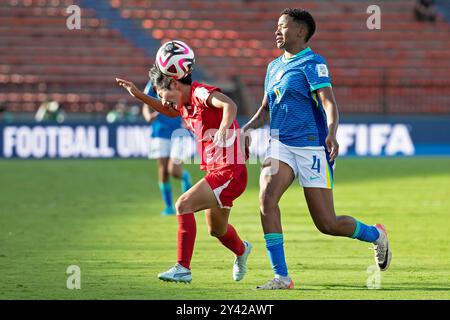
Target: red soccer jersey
[(204, 120)]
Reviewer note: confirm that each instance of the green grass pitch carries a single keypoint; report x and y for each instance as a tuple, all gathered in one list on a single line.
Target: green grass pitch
[(103, 215)]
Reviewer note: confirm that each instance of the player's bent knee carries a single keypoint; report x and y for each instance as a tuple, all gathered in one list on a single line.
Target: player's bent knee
[(183, 205)]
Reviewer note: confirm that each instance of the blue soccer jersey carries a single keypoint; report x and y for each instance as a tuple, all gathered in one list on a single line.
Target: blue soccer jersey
[(295, 110), (163, 126)]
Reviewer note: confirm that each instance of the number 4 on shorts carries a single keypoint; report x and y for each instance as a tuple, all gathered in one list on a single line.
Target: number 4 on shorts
[(316, 164)]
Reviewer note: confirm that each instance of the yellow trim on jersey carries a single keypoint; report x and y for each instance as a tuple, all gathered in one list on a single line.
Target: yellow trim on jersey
[(277, 93), (314, 96)]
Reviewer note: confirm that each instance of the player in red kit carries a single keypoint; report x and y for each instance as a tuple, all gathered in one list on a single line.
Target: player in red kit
[(211, 116)]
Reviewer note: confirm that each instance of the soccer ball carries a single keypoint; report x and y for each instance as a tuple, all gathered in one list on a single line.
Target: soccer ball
[(175, 59)]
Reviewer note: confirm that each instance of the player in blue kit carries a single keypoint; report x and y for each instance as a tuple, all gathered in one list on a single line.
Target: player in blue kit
[(170, 144), (303, 114)]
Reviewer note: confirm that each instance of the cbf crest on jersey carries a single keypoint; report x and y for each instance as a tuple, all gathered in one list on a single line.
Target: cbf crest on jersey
[(322, 70)]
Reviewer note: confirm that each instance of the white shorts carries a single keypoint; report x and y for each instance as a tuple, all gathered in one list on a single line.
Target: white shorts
[(178, 149), (310, 164)]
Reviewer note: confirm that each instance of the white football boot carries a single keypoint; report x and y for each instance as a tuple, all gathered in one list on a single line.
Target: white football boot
[(276, 284), (383, 253), (177, 273), (240, 263)]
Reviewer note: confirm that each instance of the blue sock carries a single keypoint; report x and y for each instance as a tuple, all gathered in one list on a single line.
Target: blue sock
[(166, 192), (365, 233), (275, 249), (186, 183)]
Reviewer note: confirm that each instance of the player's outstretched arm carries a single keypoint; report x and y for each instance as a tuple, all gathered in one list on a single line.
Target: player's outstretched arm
[(328, 101), (150, 101)]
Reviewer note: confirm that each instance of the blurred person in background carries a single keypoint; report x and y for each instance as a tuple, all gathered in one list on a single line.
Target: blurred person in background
[(50, 110), (119, 113), (5, 115)]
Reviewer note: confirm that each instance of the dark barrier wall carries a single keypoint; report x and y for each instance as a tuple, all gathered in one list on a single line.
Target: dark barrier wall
[(356, 136)]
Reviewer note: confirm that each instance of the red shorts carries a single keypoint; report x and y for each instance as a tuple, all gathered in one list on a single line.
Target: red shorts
[(228, 184)]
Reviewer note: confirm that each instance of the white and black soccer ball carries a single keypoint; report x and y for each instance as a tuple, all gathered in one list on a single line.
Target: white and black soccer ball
[(175, 59)]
